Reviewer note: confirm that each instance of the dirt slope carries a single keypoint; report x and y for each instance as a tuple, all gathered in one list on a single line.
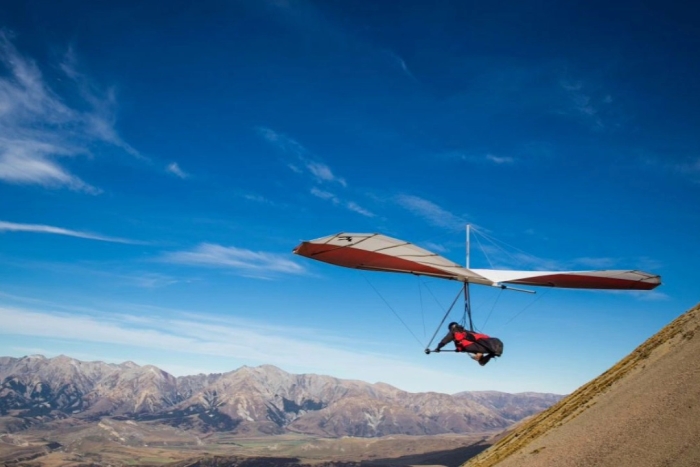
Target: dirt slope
[(644, 411)]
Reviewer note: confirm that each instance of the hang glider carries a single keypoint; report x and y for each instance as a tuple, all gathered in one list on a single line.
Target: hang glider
[(376, 252)]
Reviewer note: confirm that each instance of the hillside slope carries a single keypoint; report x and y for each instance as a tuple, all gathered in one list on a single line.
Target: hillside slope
[(644, 411)]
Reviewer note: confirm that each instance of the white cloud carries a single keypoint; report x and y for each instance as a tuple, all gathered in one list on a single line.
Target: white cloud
[(295, 169), (27, 161), (651, 295), (37, 228), (583, 102), (150, 280), (500, 159), (281, 141), (402, 64), (351, 205), (691, 167), (231, 341), (101, 120), (323, 173), (175, 169), (480, 158), (431, 212), (257, 198), (320, 171), (325, 195), (38, 128), (526, 260), (596, 263), (245, 261), (434, 247)]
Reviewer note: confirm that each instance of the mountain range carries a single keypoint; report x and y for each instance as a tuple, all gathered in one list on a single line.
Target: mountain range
[(263, 400)]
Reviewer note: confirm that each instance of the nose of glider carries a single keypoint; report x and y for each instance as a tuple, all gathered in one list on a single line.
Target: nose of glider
[(300, 249)]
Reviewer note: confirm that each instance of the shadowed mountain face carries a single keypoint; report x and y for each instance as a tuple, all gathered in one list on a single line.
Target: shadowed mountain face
[(249, 401), (644, 411)]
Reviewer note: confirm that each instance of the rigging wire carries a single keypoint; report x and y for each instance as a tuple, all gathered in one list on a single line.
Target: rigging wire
[(463, 320), (498, 297), (433, 295), (392, 310), (437, 301), (497, 244), (445, 317), (483, 250), (527, 306)]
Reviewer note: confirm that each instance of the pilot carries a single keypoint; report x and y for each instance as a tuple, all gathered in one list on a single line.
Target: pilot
[(467, 341)]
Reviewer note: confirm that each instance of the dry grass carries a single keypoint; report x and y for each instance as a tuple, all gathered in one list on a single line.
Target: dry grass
[(654, 364)]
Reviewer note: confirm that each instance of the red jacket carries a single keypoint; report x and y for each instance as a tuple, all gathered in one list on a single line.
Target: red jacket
[(461, 337)]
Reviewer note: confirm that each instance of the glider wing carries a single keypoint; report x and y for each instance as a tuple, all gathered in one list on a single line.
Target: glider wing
[(378, 252), (617, 280)]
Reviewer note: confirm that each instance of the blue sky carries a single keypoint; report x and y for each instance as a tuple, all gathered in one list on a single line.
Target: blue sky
[(159, 161)]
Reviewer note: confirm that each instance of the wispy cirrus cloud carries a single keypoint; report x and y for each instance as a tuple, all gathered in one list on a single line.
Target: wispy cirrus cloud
[(487, 158), (247, 262), (49, 229), (690, 168), (650, 295), (585, 103), (25, 160), (430, 212), (145, 280), (227, 343), (677, 162), (174, 168), (596, 263), (39, 128), (498, 256), (402, 64), (323, 172), (257, 198), (325, 195), (320, 171), (101, 119), (281, 141), (435, 247), (351, 205), (499, 159)]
